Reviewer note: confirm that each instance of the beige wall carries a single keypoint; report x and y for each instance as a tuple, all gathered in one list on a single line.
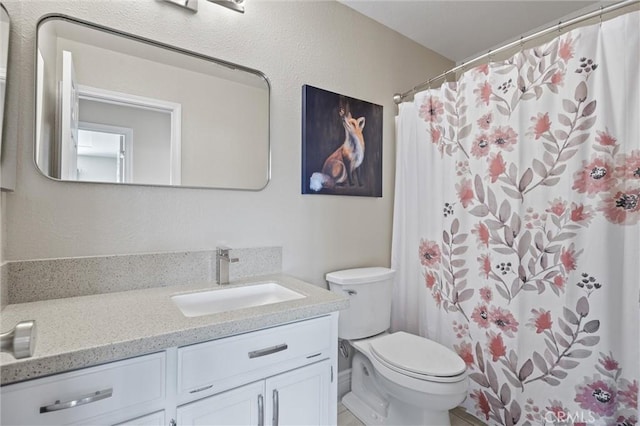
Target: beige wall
[(324, 44)]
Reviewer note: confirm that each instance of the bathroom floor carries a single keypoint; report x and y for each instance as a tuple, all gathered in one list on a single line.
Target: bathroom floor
[(458, 417)]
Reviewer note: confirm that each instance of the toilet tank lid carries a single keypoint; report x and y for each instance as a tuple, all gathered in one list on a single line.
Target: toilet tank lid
[(360, 275)]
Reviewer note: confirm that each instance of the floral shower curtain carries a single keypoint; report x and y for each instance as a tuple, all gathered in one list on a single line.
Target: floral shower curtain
[(517, 228)]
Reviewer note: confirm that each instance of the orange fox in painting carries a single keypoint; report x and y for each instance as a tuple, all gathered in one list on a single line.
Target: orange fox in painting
[(342, 165)]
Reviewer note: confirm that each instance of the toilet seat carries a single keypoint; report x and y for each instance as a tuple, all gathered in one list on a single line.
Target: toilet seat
[(417, 357)]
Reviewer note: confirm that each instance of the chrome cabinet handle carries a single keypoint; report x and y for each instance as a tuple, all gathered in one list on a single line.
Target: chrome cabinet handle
[(201, 389), (83, 400), (268, 351), (276, 406), (260, 410)]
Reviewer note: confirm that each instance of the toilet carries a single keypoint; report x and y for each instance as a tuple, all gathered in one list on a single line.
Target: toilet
[(396, 378)]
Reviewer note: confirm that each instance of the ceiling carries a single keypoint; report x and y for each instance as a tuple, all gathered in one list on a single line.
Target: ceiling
[(459, 30)]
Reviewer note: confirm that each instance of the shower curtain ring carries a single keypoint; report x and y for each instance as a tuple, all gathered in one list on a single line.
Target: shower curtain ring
[(559, 26), (601, 7)]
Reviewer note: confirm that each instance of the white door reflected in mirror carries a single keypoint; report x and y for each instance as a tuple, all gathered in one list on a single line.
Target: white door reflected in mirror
[(104, 154), (69, 104)]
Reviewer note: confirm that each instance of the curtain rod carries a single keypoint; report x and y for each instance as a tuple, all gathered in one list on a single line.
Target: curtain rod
[(399, 97)]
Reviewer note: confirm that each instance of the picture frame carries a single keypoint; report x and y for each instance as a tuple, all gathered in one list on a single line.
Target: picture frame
[(341, 144)]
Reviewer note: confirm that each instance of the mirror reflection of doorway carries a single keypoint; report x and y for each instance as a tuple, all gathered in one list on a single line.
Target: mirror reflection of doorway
[(105, 153), (156, 123)]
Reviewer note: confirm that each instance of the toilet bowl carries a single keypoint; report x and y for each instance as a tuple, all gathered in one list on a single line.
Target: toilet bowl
[(396, 378)]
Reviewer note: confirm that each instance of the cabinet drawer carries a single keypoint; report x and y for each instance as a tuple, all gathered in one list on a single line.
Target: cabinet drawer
[(79, 395), (221, 364)]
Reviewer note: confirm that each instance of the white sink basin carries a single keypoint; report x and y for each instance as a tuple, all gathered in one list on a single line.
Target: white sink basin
[(229, 299)]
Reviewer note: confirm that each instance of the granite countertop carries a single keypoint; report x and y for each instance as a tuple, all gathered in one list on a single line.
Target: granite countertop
[(79, 332)]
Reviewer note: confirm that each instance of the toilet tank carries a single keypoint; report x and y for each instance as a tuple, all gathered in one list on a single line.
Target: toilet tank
[(369, 293)]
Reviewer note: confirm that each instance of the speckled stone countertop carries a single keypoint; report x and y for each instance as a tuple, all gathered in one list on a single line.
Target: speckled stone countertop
[(79, 332)]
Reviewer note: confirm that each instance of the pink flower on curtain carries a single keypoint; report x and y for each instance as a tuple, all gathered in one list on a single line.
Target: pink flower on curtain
[(483, 91), (605, 139), (481, 316), (608, 362), (462, 167), (465, 352), (557, 207), (465, 192), (461, 329), (541, 125), (504, 320), (429, 253), (482, 233), (504, 138), (541, 320), (534, 219), (497, 348), (594, 177), (497, 166), (485, 121), (485, 264), (628, 393), (432, 109), (480, 147), (559, 281), (581, 214), (566, 49), (597, 395), (483, 69), (622, 206), (486, 294), (560, 413), (557, 78), (437, 297), (482, 403), (568, 258), (628, 166), (436, 134), (429, 280)]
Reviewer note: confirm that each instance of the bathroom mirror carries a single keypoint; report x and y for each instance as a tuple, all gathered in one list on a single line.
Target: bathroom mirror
[(113, 107), (4, 62)]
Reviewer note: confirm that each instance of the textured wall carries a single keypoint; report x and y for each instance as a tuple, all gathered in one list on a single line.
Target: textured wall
[(324, 44)]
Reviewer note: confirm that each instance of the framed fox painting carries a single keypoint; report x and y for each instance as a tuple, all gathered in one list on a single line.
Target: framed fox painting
[(341, 144)]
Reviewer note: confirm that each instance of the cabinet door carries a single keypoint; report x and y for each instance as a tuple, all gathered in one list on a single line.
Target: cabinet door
[(240, 406), (299, 397)]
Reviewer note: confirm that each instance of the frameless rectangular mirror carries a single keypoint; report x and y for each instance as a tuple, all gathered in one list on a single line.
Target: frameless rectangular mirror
[(113, 107)]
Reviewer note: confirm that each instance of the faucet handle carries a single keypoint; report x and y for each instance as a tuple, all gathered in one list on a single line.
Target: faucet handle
[(21, 340), (223, 251)]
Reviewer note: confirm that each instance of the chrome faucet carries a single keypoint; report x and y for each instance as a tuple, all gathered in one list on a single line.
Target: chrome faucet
[(222, 264)]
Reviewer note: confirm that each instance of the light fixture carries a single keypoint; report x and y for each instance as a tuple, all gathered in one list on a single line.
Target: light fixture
[(192, 5), (237, 5)]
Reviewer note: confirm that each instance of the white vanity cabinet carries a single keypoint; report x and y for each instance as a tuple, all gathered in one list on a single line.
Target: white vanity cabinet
[(277, 376), (298, 397), (283, 375)]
